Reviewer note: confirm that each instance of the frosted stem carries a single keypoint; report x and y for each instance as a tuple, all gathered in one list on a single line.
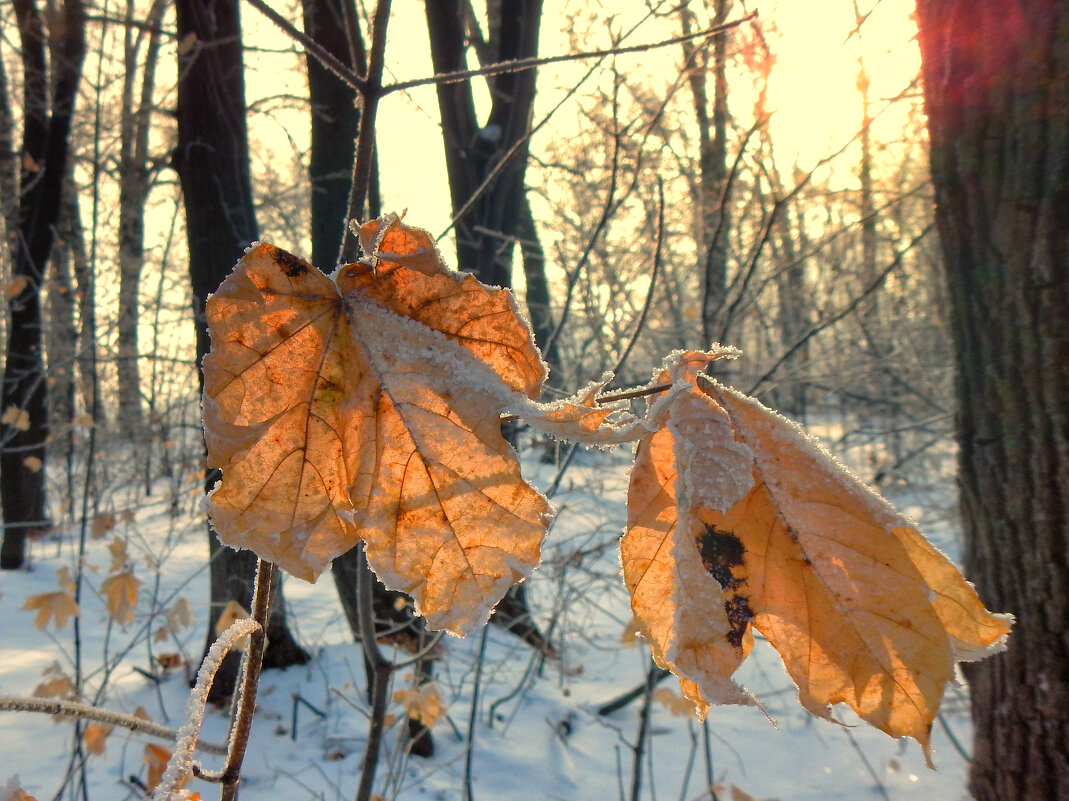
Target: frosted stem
[(180, 765)]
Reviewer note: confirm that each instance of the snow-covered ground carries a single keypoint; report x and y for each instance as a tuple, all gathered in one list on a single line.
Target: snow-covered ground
[(537, 733)]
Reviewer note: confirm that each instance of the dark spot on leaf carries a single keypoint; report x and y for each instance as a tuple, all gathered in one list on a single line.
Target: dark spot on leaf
[(291, 265), (721, 551), (739, 616)]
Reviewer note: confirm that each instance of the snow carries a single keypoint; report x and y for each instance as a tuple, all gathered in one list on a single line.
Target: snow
[(537, 731)]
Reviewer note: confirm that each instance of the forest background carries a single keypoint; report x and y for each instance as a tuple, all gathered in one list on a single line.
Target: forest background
[(779, 170)]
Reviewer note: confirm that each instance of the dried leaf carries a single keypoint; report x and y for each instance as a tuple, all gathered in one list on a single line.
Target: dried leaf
[(631, 634), (187, 43), (102, 524), (120, 596), (96, 735), (33, 464), (180, 615), (861, 608), (142, 713), (57, 687), (49, 605), (581, 418), (14, 287), (16, 418), (370, 408), (169, 661), (156, 757), (63, 576), (724, 790), (676, 704), (117, 549), (12, 791), (232, 612), (423, 703)]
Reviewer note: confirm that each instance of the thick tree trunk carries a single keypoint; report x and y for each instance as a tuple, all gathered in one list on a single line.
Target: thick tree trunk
[(213, 164), (48, 106), (997, 89)]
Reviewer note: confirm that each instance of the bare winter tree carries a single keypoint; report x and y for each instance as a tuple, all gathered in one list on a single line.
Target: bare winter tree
[(996, 80), (52, 67), (212, 161)]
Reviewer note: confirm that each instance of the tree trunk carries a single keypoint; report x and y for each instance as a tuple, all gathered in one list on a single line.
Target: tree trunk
[(997, 88), (714, 219), (487, 228), (335, 123), (134, 178), (46, 133), (212, 160)]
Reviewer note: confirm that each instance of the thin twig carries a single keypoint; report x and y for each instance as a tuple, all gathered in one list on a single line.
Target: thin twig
[(657, 254), (71, 709), (469, 750), (316, 50), (180, 764), (245, 700), (643, 731), (380, 669), (523, 64)]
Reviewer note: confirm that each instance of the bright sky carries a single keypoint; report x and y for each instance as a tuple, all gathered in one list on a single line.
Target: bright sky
[(812, 87)]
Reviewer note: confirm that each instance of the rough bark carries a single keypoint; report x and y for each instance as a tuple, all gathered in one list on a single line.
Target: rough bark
[(213, 165), (997, 88), (49, 92)]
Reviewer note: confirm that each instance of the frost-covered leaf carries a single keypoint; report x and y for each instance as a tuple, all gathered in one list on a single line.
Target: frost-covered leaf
[(52, 605), (120, 596), (861, 608), (582, 418), (369, 406)]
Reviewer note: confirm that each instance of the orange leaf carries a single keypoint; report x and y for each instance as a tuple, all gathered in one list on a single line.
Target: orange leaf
[(16, 418), (117, 549), (96, 735), (423, 703), (120, 594), (232, 612), (58, 605), (156, 757), (12, 791), (370, 408), (861, 608), (14, 287)]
